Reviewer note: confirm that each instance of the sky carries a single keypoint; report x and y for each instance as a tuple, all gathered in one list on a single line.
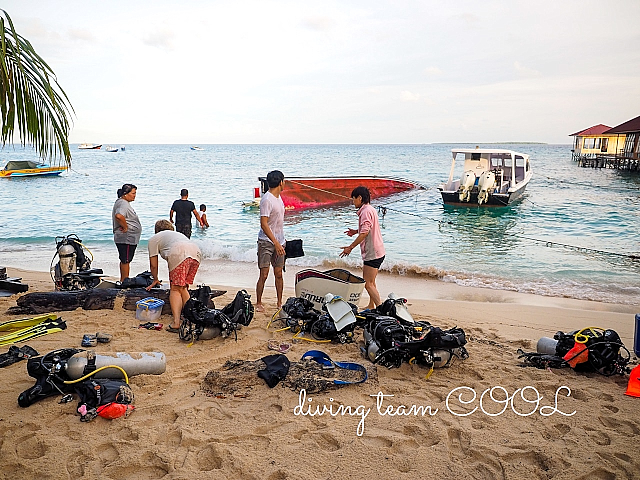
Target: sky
[(338, 72)]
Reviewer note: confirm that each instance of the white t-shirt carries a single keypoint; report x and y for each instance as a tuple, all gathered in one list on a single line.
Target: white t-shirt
[(174, 247), (272, 207)]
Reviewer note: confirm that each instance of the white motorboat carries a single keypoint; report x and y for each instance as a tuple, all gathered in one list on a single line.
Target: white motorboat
[(195, 147), (89, 146), (491, 177), (109, 148)]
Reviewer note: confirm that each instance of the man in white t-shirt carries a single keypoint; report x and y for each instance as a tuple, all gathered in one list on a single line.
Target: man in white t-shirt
[(271, 237), (183, 258)]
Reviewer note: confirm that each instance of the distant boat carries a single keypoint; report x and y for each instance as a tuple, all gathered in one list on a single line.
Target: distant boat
[(196, 148), (491, 177), (109, 148), (122, 148), (27, 168), (89, 146), (319, 192)]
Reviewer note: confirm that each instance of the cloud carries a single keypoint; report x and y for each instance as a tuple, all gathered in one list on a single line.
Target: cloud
[(81, 34), (525, 72), (468, 19), (432, 71), (411, 97), (162, 39), (320, 24)]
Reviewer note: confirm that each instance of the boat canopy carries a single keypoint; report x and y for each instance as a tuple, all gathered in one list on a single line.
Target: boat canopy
[(20, 165)]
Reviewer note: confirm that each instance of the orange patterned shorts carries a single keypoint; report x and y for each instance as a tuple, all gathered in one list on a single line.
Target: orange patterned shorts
[(185, 273)]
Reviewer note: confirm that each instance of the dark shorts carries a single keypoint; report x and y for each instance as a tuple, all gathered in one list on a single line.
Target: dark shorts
[(185, 229), (375, 263), (125, 252)]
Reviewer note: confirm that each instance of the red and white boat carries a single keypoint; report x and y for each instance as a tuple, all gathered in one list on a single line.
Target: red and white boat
[(317, 192)]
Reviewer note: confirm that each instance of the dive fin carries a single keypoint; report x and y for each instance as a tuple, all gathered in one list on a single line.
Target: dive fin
[(34, 332), (26, 322)]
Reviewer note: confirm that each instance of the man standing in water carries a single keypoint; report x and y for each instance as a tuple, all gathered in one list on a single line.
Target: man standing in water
[(271, 237), (183, 209)]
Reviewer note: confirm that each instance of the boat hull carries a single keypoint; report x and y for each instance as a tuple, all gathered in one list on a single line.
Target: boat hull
[(494, 200), (305, 192), (31, 172)]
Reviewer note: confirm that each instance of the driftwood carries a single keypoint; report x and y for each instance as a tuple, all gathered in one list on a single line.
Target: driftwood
[(94, 299)]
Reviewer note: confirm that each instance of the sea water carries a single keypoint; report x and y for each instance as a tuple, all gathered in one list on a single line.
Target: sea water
[(574, 234)]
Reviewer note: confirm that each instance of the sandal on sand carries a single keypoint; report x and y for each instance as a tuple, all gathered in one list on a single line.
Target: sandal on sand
[(103, 337), (89, 340), (281, 347), (170, 329)]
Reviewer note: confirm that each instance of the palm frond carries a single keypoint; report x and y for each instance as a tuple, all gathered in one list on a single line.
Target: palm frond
[(31, 100)]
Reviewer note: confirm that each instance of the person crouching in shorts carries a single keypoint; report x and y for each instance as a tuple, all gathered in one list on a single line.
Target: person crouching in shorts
[(183, 258)]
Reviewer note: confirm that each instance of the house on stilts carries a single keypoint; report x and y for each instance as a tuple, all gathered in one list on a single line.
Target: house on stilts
[(603, 147)]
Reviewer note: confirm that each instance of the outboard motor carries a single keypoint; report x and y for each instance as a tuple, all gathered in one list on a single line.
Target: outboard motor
[(486, 184), (467, 182), (73, 270)]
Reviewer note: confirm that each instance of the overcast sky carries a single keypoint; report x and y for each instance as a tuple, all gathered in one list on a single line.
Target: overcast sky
[(361, 71)]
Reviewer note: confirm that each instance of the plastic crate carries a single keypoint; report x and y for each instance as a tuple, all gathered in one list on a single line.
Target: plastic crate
[(149, 309)]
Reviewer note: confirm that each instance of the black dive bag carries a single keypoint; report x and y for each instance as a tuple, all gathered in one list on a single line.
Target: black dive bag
[(391, 342), (200, 321), (50, 374)]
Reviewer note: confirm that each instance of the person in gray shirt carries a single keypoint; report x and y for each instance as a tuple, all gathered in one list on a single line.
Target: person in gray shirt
[(126, 227)]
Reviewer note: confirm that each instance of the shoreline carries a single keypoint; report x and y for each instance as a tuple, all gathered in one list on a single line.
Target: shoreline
[(500, 310)]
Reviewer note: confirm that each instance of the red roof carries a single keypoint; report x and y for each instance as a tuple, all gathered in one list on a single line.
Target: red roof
[(632, 125), (595, 130)]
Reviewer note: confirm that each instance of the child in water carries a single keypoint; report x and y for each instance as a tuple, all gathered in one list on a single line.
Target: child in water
[(203, 215)]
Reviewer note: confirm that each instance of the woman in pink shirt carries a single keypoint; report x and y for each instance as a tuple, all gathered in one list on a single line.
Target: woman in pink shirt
[(370, 240)]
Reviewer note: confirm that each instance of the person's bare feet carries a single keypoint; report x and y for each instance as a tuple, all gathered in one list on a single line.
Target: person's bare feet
[(259, 307)]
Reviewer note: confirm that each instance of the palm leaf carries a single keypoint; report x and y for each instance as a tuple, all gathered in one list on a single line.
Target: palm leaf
[(31, 100)]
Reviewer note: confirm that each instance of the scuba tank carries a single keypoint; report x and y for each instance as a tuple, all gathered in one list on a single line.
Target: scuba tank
[(143, 363), (67, 262), (547, 346)]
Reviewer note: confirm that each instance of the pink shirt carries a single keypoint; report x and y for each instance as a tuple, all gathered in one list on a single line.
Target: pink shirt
[(372, 247)]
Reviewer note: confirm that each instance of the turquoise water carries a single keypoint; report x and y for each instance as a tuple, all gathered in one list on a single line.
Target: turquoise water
[(515, 248)]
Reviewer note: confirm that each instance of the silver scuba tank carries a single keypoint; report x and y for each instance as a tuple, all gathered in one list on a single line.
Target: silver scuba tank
[(147, 363), (67, 255), (547, 346)]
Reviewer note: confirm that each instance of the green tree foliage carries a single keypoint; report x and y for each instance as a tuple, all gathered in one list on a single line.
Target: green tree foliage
[(31, 100)]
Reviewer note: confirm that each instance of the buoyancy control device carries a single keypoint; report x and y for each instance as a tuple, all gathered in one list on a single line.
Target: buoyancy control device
[(587, 350), (199, 322), (73, 270), (390, 342)]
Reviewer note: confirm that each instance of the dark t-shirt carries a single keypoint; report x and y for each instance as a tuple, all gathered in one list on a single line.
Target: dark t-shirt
[(183, 209)]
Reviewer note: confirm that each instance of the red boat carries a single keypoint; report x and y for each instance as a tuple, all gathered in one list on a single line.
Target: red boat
[(315, 192)]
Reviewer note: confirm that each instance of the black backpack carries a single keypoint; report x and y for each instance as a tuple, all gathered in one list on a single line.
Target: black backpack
[(198, 317), (50, 374), (241, 309)]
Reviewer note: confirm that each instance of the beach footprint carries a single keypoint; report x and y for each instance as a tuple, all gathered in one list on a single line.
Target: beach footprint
[(209, 459)]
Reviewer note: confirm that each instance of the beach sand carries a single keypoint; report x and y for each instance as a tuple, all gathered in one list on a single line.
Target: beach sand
[(253, 432)]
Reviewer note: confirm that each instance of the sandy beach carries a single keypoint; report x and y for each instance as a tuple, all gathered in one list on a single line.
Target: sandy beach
[(179, 430)]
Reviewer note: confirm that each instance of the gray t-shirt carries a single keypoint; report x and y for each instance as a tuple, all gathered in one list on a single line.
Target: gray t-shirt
[(134, 227)]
